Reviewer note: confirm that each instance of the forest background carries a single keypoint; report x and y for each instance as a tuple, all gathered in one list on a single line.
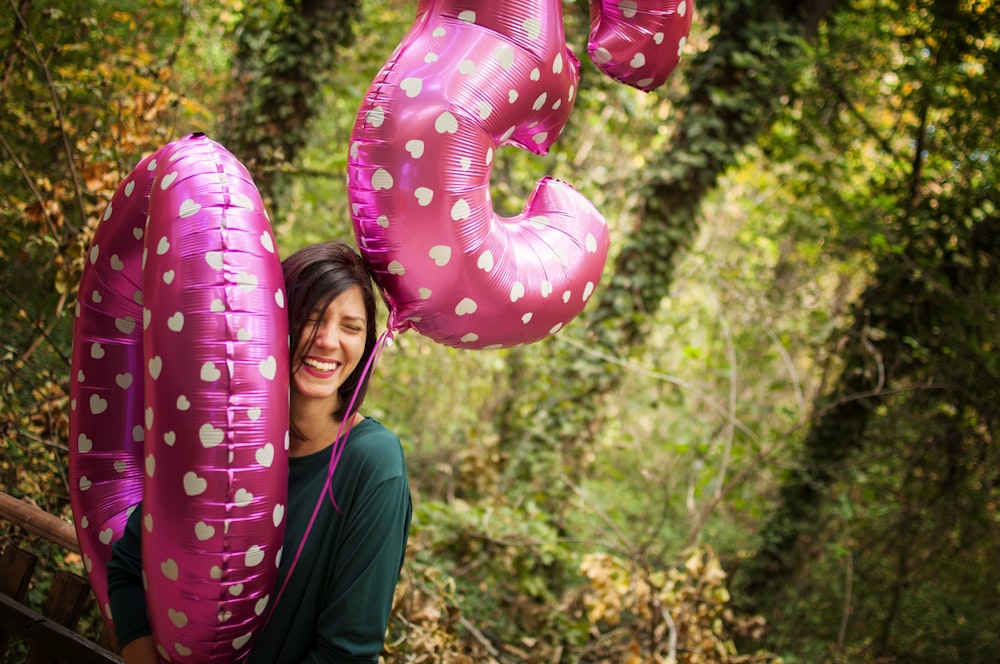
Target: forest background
[(771, 436)]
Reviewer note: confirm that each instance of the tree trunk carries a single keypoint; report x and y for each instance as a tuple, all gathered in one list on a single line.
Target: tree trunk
[(278, 81)]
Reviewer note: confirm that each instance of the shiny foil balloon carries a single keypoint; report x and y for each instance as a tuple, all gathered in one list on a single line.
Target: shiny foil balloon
[(639, 42), (105, 420), (468, 78), (216, 384)]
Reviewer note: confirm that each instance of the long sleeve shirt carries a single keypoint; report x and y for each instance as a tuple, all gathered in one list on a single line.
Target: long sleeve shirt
[(336, 604)]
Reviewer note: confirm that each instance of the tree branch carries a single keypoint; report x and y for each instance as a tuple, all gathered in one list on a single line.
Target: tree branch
[(41, 329), (67, 147), (31, 185)]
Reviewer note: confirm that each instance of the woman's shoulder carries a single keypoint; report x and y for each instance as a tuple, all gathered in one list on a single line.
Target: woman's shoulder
[(374, 446), (373, 431)]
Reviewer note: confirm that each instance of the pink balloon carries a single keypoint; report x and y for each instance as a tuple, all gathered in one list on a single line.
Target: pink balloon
[(105, 422), (216, 413), (639, 42), (180, 397), (467, 78)]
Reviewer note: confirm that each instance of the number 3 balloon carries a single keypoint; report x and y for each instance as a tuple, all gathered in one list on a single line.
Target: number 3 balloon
[(469, 77)]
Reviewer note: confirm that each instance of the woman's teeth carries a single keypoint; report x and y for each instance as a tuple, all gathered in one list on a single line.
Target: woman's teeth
[(320, 366)]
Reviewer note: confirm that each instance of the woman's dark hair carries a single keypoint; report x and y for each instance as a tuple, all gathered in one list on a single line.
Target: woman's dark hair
[(314, 276)]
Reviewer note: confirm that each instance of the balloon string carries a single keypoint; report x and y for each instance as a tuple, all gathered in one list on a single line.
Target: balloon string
[(384, 339), (340, 441)]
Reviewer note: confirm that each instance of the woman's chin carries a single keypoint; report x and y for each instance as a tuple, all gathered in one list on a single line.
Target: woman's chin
[(313, 389)]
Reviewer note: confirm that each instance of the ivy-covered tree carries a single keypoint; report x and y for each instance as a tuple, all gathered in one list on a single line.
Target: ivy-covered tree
[(916, 381), (284, 54)]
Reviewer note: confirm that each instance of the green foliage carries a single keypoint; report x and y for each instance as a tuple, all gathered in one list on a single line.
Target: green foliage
[(800, 309), (81, 92), (86, 92), (891, 532), (910, 349), (531, 591)]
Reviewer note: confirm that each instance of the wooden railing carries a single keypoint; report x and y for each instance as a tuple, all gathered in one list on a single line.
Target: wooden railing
[(50, 636)]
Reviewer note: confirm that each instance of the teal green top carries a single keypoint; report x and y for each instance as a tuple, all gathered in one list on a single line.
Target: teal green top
[(336, 605)]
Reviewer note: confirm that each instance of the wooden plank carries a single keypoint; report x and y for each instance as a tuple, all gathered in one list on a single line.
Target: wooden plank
[(16, 568), (65, 604), (107, 638), (49, 637), (67, 598), (38, 522)]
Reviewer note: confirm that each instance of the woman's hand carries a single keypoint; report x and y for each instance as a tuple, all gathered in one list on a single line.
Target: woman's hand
[(140, 651)]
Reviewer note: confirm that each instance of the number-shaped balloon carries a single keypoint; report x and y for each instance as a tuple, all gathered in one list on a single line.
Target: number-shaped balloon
[(639, 42), (105, 422), (216, 416), (469, 77), (181, 381)]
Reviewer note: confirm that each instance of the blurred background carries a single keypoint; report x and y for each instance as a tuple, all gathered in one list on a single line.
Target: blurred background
[(771, 435)]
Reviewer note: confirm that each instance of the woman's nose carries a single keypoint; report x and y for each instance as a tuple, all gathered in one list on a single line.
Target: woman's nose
[(327, 337)]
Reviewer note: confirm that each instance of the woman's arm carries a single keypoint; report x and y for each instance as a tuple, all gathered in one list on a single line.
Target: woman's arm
[(140, 651), (352, 625), (126, 595)]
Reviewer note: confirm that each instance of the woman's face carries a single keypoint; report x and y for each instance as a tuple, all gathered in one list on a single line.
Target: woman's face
[(336, 350)]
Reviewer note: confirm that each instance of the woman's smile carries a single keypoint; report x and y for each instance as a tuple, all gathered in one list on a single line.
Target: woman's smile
[(320, 366)]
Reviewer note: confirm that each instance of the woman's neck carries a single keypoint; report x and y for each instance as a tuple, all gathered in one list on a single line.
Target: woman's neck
[(316, 427)]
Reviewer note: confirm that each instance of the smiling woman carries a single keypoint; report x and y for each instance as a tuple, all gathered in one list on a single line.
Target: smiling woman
[(349, 506), (328, 354), (332, 323)]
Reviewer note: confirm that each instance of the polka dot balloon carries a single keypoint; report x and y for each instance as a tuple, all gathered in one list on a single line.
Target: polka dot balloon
[(106, 427), (468, 78), (189, 394), (639, 42)]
